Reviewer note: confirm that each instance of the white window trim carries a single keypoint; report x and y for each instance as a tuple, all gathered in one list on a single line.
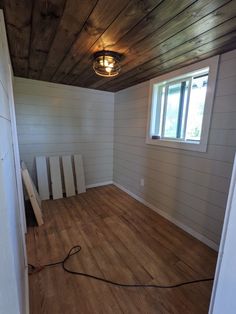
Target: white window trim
[(212, 64)]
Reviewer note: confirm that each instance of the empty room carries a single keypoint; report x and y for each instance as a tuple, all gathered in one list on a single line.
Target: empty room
[(117, 149)]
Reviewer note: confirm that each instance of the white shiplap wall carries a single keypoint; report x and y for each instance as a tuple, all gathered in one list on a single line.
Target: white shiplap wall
[(55, 119), (189, 187), (13, 271)]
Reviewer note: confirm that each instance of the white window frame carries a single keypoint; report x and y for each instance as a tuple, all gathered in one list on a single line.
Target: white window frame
[(201, 146)]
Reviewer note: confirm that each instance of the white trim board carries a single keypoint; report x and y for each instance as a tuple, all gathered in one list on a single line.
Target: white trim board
[(68, 176), (94, 185), (42, 177), (223, 292), (55, 171), (27, 291), (79, 174), (187, 229)]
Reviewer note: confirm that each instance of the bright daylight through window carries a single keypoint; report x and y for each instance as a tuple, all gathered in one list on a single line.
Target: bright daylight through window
[(180, 107)]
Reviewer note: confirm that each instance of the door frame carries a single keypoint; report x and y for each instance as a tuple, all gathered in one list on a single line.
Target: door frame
[(19, 184), (224, 249)]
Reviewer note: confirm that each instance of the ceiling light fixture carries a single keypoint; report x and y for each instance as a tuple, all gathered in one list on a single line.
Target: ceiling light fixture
[(106, 63)]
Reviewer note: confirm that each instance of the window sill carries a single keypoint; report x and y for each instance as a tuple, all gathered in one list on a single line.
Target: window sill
[(199, 147)]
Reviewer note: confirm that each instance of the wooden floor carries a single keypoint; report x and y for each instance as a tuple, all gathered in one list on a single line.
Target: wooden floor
[(121, 240)]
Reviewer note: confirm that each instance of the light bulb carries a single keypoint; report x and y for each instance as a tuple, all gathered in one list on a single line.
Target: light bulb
[(108, 69), (106, 63)]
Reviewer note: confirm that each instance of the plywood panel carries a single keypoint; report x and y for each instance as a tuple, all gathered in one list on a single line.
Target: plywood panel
[(42, 177), (68, 176), (79, 171), (56, 182)]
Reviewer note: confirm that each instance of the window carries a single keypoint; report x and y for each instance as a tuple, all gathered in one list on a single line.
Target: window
[(180, 106)]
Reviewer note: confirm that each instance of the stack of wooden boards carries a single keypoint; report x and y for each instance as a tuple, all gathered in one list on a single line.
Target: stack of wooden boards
[(67, 175), (73, 177)]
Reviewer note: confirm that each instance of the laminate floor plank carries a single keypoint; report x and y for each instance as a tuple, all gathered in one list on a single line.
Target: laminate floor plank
[(171, 234), (121, 240)]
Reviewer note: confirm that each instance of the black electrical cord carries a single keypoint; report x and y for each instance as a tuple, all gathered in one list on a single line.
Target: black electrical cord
[(76, 249)]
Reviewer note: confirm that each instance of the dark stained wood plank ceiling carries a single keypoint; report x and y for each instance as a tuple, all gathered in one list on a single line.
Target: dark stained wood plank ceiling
[(54, 40)]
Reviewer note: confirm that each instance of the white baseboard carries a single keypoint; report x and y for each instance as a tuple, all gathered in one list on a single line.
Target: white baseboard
[(189, 230), (98, 184), (27, 310)]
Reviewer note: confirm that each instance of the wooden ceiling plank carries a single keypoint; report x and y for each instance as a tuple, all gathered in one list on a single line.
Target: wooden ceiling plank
[(190, 44), (128, 18), (218, 51), (46, 17), (155, 35), (195, 43), (163, 13), (200, 12), (210, 15), (174, 44), (102, 16), (18, 25), (175, 63), (75, 14)]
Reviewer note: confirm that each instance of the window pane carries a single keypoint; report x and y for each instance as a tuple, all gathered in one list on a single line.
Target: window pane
[(172, 110), (196, 108), (159, 110)]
